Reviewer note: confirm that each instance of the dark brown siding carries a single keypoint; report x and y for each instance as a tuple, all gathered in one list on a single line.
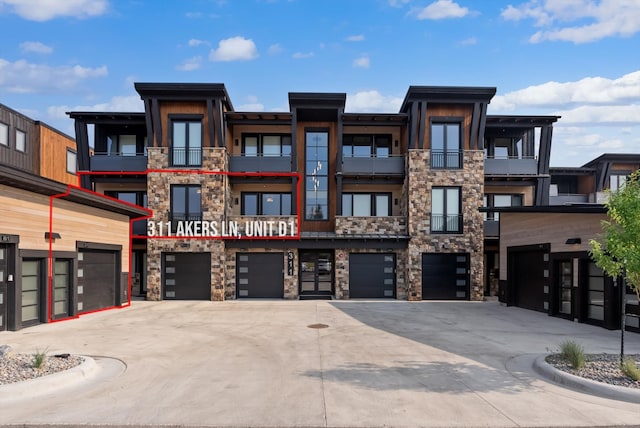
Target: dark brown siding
[(9, 155)]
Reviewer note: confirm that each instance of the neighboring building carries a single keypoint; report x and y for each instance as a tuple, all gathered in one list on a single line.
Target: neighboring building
[(387, 204), (64, 251), (545, 263)]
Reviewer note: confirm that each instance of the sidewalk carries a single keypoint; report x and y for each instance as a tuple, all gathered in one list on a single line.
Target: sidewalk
[(257, 363)]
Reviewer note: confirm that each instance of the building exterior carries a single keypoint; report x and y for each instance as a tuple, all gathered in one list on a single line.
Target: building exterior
[(64, 251), (544, 250), (382, 205)]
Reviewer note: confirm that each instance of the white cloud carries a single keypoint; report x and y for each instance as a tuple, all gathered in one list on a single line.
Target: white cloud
[(234, 49), (190, 64), (442, 9), (44, 10), (355, 38), (302, 55), (362, 62), (24, 77), (123, 103), (590, 90), (275, 49), (602, 115), (197, 42), (595, 19), (36, 47), (372, 101)]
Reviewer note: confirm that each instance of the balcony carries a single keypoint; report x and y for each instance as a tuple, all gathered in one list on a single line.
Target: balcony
[(568, 199), (511, 166), (392, 165), (118, 163), (241, 163), (449, 223)]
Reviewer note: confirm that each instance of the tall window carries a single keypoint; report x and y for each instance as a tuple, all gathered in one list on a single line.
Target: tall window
[(187, 143), (617, 181), (185, 203), (266, 145), (317, 175), (121, 145), (273, 204), (21, 141), (366, 146), (4, 134), (135, 197), (72, 162), (496, 201), (445, 210), (366, 204), (446, 148)]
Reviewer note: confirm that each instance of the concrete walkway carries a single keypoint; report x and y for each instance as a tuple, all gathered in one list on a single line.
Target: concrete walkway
[(257, 363)]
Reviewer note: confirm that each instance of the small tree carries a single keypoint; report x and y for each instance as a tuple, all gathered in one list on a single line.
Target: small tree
[(617, 252)]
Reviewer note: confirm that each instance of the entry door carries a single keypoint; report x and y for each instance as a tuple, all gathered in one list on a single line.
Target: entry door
[(595, 295), (61, 299), (31, 289), (316, 272), (564, 275), (4, 268)]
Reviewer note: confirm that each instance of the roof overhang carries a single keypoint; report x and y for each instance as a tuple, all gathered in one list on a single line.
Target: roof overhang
[(447, 95)]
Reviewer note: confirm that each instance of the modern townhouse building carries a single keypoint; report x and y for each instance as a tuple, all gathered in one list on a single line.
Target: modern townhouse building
[(64, 251), (316, 202), (545, 262)]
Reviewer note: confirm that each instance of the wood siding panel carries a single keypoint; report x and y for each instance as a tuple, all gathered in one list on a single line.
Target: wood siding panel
[(27, 214), (195, 108), (53, 155), (448, 110), (517, 229)]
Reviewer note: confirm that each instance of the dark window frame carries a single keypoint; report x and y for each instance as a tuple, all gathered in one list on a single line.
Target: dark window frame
[(459, 227), (260, 142), (259, 205), (75, 156), (374, 204), (446, 162), (186, 119), (141, 196), (490, 198), (187, 215), (20, 131), (7, 143), (347, 141)]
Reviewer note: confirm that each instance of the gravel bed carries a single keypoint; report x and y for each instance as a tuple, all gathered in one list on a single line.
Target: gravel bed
[(599, 367), (18, 367)]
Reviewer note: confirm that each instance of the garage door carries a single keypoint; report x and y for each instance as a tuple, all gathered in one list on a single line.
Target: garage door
[(187, 276), (445, 276), (260, 275), (527, 276), (97, 279), (372, 275)]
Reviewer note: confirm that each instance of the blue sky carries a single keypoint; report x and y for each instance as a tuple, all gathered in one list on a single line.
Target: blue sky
[(576, 58)]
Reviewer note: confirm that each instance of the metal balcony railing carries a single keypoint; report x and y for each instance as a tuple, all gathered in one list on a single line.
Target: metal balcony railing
[(388, 165), (118, 162), (186, 157), (243, 163), (446, 159), (449, 223)]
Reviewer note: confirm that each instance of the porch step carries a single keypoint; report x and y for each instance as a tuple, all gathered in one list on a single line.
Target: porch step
[(315, 297)]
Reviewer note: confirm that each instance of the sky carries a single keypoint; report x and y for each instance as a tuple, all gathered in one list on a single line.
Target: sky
[(579, 59)]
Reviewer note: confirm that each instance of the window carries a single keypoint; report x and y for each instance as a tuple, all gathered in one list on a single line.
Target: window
[(446, 149), (366, 204), (266, 145), (185, 203), (492, 200), (4, 134), (21, 141), (445, 210), (356, 146), (317, 175), (121, 145), (135, 197), (617, 181), (274, 204), (187, 143), (72, 162)]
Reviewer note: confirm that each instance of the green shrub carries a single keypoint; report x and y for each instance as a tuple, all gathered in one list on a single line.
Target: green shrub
[(630, 369), (573, 354), (39, 358)]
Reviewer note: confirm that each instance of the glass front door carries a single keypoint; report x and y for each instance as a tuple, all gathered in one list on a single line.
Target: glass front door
[(565, 284), (316, 272)]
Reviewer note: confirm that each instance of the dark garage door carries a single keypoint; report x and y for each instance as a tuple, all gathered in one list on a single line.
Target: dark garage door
[(260, 275), (97, 279), (527, 276), (372, 275), (445, 276), (187, 276)]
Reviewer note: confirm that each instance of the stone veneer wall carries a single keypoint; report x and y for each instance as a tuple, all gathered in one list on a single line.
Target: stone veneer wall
[(213, 196), (421, 179), (342, 271), (392, 225), (290, 281)]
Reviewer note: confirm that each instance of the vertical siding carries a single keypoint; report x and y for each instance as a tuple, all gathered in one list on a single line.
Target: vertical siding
[(53, 155), (9, 155)]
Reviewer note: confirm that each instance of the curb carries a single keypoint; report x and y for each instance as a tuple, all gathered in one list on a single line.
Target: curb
[(585, 385), (50, 383)]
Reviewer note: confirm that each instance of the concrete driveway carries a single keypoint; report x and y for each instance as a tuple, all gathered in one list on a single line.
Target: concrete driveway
[(258, 363)]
